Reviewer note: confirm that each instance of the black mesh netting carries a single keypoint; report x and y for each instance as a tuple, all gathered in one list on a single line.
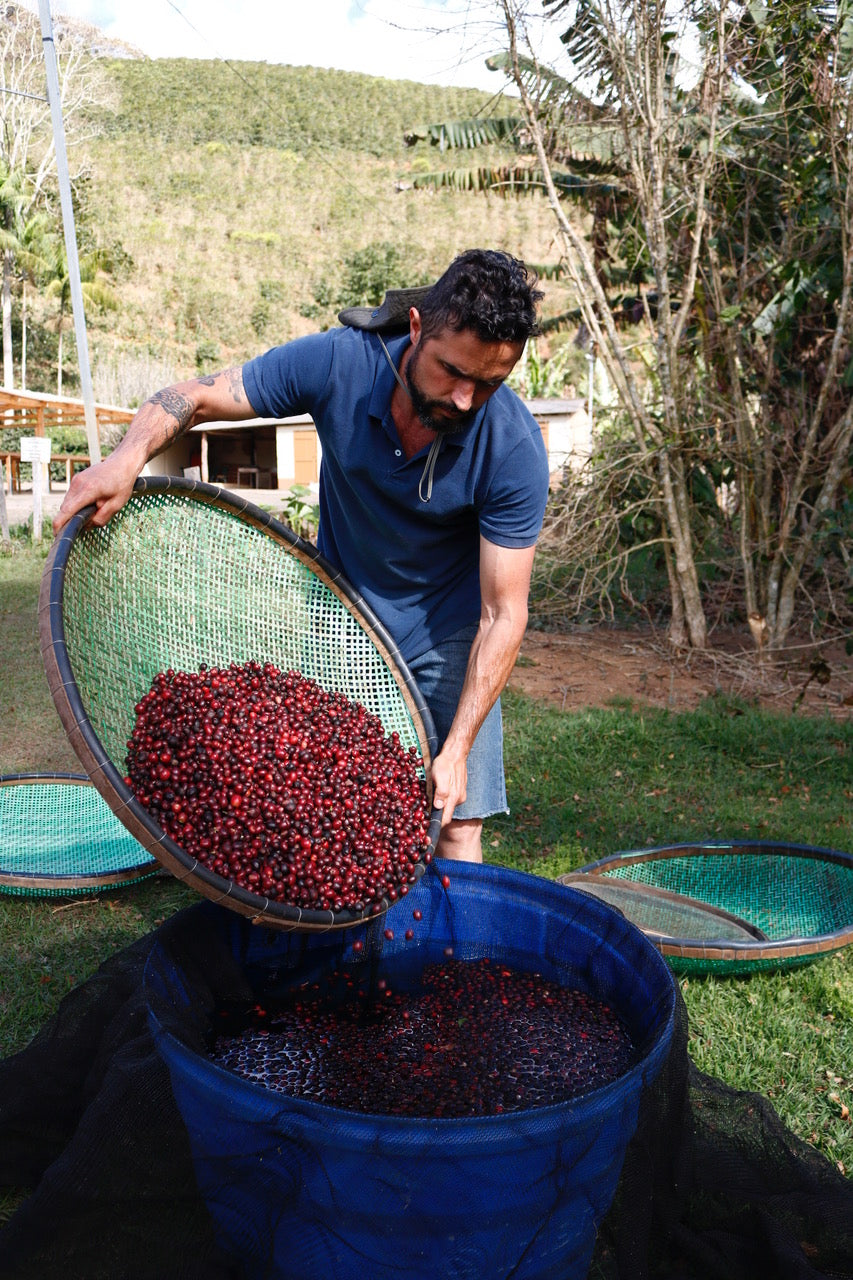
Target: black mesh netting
[(713, 1185)]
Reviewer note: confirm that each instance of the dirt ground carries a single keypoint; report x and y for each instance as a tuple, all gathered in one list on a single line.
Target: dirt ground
[(601, 666)]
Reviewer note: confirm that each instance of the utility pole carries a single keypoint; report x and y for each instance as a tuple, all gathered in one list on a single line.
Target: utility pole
[(53, 94)]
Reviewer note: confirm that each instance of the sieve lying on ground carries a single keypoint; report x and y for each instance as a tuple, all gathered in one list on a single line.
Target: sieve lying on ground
[(57, 836), (734, 907), (188, 576)]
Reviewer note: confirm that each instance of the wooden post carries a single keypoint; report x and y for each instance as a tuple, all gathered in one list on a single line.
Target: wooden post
[(36, 449), (205, 464), (4, 518), (37, 499)]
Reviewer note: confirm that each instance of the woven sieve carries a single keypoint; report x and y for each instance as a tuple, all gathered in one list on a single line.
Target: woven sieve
[(800, 898), (57, 836), (188, 574)]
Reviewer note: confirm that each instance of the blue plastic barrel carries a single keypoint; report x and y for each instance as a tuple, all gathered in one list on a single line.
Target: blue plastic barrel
[(302, 1191)]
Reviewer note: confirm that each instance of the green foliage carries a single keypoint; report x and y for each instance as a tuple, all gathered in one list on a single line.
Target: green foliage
[(260, 316), (207, 355), (466, 134), (300, 511), (370, 271), (363, 278), (539, 377), (62, 440)]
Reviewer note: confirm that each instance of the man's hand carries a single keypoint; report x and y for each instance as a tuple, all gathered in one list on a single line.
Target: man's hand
[(161, 420), (450, 783), (107, 486)]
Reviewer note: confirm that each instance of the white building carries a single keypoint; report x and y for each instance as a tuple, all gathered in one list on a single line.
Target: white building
[(270, 453)]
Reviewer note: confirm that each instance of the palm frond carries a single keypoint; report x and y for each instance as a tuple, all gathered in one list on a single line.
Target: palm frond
[(465, 135), (514, 180)]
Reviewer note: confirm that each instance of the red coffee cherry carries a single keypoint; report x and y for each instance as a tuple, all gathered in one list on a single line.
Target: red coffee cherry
[(296, 794)]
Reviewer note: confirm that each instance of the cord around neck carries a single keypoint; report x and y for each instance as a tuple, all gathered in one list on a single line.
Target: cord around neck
[(432, 457)]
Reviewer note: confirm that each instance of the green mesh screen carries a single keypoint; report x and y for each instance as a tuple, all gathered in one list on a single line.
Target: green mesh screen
[(174, 582), (58, 836), (786, 896), (800, 898)]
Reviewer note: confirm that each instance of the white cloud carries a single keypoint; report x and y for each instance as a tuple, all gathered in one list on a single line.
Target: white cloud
[(435, 41)]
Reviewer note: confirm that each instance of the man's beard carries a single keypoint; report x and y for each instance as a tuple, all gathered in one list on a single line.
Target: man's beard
[(425, 408)]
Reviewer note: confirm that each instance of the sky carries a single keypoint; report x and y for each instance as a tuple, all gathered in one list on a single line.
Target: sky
[(434, 41)]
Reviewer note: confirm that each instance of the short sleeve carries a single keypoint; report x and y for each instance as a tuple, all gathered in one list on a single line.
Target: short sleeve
[(512, 509), (289, 379)]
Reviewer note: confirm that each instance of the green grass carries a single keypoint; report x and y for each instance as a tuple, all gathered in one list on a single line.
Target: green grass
[(581, 785), (586, 784), (52, 944), (589, 783)]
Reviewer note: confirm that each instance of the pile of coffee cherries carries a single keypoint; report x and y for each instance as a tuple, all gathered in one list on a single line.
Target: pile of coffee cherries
[(291, 792), (475, 1038)]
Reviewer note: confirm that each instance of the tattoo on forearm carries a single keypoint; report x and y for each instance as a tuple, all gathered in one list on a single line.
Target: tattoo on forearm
[(178, 407), (208, 379)]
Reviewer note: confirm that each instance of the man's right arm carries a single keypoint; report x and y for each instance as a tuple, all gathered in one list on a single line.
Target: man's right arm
[(162, 419)]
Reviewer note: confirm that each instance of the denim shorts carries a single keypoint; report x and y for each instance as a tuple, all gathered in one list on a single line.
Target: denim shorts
[(439, 674)]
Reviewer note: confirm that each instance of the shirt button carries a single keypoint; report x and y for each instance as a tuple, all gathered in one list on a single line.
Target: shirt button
[(398, 453)]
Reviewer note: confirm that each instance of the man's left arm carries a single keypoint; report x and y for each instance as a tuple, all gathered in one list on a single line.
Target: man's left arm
[(504, 586)]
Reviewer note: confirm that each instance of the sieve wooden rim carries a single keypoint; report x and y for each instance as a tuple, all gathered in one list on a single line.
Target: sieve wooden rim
[(103, 773), (796, 947), (67, 883), (654, 893)]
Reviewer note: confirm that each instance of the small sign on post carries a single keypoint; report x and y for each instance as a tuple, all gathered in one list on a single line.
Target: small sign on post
[(36, 449)]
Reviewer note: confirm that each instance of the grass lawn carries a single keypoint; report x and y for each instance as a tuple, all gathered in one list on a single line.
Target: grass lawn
[(581, 785)]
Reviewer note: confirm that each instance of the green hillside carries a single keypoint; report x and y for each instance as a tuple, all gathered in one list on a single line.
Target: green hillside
[(244, 204)]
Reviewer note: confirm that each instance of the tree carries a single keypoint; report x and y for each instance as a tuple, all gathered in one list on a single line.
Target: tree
[(12, 201), (779, 315), (33, 263), (27, 153), (94, 283), (711, 147)]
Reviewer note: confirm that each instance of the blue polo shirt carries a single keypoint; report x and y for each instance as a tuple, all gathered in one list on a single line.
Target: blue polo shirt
[(416, 563)]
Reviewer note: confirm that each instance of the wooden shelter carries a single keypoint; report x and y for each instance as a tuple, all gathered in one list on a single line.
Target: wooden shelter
[(36, 414)]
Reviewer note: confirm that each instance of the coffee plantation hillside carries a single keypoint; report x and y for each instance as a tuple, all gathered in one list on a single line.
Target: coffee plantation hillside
[(239, 205)]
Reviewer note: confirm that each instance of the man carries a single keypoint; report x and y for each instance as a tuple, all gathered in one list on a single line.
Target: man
[(433, 485)]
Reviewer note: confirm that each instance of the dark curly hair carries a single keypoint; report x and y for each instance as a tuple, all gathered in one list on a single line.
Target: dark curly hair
[(487, 291)]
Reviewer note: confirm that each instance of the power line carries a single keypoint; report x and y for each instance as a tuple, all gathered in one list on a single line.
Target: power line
[(19, 93)]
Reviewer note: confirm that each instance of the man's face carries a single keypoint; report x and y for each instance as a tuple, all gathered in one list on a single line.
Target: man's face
[(450, 375)]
